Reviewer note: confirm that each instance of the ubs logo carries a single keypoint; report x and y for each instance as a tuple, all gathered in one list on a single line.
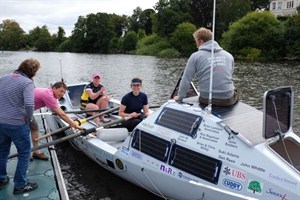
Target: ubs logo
[(234, 173), (232, 184)]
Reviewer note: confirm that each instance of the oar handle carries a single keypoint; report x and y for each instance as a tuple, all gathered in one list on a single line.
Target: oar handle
[(52, 133), (79, 123), (71, 136), (68, 137)]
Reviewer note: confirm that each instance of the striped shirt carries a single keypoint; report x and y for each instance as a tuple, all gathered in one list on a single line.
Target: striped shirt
[(16, 99)]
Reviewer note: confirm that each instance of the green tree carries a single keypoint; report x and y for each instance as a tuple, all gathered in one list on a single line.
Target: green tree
[(227, 12), (256, 30), (78, 36), (152, 45), (133, 20), (11, 35), (202, 12), (167, 20), (100, 30), (120, 24), (93, 33), (41, 38), (61, 35), (114, 45), (130, 41), (182, 38), (292, 36), (58, 38), (146, 21), (169, 15), (65, 46), (183, 7)]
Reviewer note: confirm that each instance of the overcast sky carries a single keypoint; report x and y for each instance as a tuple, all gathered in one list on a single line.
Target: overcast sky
[(53, 13)]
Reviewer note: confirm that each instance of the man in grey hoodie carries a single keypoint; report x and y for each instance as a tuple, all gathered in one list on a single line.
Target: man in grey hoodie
[(223, 91)]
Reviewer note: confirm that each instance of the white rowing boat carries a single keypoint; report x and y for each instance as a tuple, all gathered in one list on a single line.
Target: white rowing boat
[(182, 151)]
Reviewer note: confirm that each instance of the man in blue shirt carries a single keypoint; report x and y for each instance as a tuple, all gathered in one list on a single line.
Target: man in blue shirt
[(16, 112)]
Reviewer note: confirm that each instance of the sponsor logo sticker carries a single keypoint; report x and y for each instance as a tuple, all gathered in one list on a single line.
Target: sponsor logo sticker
[(234, 185), (275, 193), (235, 173), (136, 155), (255, 187)]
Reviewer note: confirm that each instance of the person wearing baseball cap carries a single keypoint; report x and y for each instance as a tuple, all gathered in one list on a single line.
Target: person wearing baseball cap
[(94, 97), (96, 74), (132, 105)]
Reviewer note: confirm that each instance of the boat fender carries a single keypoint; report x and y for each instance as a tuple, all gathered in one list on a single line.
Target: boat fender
[(112, 134)]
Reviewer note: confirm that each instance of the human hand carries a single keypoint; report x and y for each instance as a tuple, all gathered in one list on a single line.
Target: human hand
[(78, 127), (135, 115), (102, 89)]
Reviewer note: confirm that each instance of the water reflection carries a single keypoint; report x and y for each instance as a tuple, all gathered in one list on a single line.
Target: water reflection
[(84, 178)]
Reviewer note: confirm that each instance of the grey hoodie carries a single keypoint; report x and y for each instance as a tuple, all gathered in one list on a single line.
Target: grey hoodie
[(199, 64)]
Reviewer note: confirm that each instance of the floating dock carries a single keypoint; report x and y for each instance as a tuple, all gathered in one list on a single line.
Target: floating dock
[(47, 174)]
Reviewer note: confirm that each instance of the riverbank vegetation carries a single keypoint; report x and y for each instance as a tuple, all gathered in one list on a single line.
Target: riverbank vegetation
[(242, 28)]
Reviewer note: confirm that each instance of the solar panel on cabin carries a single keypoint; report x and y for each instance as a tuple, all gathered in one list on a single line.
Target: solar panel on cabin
[(177, 120), (151, 145), (225, 112), (195, 163), (248, 124)]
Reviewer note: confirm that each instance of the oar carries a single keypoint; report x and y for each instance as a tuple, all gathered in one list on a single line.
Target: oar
[(72, 112), (78, 121), (154, 106), (175, 91), (75, 135)]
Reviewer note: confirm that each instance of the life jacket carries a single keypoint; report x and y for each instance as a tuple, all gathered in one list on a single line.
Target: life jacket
[(84, 99)]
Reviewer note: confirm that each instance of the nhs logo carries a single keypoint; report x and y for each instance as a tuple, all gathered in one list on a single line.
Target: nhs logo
[(232, 184)]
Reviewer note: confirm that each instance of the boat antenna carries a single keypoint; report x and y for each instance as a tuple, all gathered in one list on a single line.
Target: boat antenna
[(208, 108), (61, 75)]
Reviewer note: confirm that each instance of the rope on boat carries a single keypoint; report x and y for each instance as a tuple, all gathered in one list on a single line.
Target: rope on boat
[(141, 185), (280, 132), (143, 170)]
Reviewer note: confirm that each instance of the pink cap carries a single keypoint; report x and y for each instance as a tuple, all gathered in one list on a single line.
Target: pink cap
[(95, 74)]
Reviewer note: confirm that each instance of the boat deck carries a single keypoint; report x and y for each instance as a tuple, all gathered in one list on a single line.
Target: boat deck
[(46, 174), (250, 130)]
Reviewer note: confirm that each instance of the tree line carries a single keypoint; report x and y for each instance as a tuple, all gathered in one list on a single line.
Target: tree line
[(245, 28)]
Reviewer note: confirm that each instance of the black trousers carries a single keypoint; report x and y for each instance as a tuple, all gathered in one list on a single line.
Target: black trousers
[(131, 123)]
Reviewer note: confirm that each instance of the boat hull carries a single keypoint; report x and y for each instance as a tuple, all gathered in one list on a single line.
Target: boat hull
[(181, 151)]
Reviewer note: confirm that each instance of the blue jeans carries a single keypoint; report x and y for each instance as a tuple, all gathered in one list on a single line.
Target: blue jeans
[(20, 136)]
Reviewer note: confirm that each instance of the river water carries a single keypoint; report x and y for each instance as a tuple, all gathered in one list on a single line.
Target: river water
[(83, 177)]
